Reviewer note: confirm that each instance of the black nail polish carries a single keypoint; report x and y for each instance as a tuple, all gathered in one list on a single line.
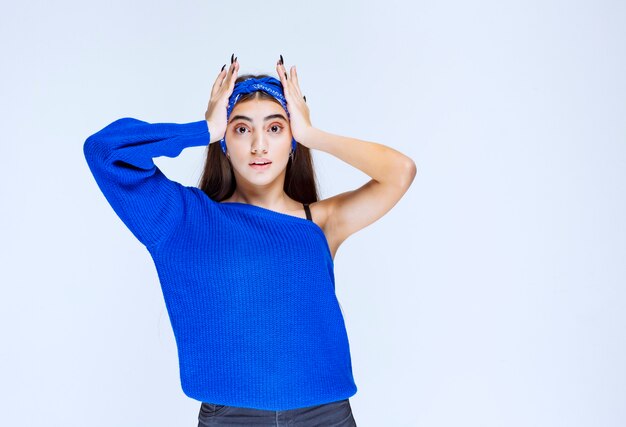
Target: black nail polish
[(235, 59), (281, 60), (222, 68), (286, 75), (232, 58), (305, 98)]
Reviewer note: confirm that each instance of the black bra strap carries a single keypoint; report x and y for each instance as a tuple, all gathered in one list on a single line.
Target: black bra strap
[(307, 210)]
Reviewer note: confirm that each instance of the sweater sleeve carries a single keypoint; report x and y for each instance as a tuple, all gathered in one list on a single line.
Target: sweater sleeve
[(120, 159)]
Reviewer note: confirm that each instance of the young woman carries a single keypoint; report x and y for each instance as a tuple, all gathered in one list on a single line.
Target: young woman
[(246, 259)]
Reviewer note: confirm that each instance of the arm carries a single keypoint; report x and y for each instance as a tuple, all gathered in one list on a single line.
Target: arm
[(120, 159), (391, 171)]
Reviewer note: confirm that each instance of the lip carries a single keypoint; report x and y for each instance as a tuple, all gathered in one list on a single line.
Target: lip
[(260, 159), (260, 167)]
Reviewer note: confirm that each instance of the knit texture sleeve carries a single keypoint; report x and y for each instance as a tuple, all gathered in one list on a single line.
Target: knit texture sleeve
[(120, 159)]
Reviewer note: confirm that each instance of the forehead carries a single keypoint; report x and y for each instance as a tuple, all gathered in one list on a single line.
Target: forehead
[(257, 109)]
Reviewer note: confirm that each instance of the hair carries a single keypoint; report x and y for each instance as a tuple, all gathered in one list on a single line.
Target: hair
[(218, 179)]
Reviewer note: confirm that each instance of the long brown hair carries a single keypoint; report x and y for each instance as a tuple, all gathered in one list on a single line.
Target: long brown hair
[(218, 179)]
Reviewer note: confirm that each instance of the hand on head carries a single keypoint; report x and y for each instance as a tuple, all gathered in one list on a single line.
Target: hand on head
[(217, 110), (218, 103), (299, 114)]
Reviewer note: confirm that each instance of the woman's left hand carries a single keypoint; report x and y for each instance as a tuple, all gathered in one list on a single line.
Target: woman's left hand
[(299, 115)]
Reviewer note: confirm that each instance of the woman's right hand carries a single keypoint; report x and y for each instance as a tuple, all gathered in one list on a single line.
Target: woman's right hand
[(218, 104)]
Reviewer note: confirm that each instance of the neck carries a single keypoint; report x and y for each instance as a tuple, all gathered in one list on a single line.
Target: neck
[(274, 200)]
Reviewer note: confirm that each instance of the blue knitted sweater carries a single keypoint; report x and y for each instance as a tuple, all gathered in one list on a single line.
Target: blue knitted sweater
[(250, 292)]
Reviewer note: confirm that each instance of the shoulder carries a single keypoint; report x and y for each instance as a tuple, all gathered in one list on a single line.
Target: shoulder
[(320, 214), (320, 211)]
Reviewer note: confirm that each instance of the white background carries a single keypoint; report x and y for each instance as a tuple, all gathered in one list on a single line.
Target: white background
[(491, 295)]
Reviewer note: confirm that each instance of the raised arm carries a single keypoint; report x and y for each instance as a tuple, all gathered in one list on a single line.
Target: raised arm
[(391, 171), (120, 159)]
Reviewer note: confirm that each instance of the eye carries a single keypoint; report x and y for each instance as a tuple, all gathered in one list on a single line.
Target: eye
[(238, 128), (277, 127)]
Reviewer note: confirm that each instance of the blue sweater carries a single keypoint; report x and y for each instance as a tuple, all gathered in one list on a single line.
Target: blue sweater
[(250, 292)]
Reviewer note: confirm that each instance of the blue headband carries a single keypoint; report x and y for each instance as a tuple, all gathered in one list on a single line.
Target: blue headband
[(267, 84)]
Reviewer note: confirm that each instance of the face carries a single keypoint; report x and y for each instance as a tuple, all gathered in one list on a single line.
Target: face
[(258, 130)]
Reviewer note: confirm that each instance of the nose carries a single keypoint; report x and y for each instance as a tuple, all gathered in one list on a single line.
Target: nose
[(259, 145)]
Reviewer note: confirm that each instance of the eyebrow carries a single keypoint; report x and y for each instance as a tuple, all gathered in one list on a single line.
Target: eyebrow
[(271, 116)]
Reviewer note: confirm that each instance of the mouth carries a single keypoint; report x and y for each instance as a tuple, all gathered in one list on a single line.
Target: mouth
[(261, 164)]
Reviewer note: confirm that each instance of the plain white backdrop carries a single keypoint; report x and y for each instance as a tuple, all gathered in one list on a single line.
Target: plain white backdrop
[(491, 295)]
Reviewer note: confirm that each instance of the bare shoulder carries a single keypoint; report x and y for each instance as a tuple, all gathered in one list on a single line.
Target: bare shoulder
[(320, 212), (343, 214)]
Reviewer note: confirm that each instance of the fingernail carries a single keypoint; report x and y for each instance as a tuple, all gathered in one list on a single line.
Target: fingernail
[(281, 60), (286, 76), (232, 58), (235, 59), (222, 68), (304, 98)]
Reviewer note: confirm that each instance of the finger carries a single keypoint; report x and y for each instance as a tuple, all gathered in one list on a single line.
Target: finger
[(294, 81), (228, 78), (231, 70), (282, 74), (233, 76), (218, 80)]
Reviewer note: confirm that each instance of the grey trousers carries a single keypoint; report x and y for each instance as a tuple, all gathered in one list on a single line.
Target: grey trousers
[(333, 414)]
